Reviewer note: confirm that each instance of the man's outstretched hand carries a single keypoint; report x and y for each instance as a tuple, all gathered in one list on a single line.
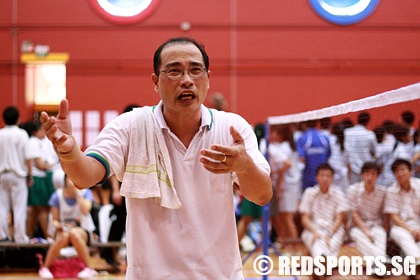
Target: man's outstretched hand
[(58, 129)]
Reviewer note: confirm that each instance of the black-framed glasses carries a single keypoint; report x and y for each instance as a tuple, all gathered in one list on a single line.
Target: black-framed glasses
[(176, 72)]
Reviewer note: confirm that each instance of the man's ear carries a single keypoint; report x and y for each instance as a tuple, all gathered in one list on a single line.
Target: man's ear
[(155, 79), (208, 76)]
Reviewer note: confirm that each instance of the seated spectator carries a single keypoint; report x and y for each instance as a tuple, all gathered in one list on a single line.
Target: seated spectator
[(367, 200), (403, 204), (324, 209), (73, 226)]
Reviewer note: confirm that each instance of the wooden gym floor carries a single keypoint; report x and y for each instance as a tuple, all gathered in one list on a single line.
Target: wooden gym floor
[(102, 267)]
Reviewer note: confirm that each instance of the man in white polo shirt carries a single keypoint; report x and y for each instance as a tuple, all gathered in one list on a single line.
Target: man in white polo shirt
[(403, 205), (367, 201), (181, 222), (324, 209)]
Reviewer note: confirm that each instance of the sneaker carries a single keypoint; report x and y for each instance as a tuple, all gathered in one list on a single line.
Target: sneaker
[(45, 273), (87, 273)]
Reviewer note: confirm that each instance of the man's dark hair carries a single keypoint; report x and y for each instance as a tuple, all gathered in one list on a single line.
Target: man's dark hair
[(347, 123), (324, 166), (407, 117), (388, 125), (157, 60), (398, 162), (11, 115), (401, 132), (363, 118), (379, 133), (338, 130), (371, 165), (311, 123), (31, 126), (325, 122)]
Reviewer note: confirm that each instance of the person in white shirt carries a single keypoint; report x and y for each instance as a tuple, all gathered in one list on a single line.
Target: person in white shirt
[(415, 160), (339, 159), (367, 201), (286, 176), (15, 176), (407, 119), (176, 161), (403, 205), (72, 225), (403, 148), (360, 144), (42, 189), (324, 209)]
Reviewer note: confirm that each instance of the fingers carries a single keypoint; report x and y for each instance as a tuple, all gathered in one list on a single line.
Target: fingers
[(237, 141), (63, 111), (237, 137), (44, 117)]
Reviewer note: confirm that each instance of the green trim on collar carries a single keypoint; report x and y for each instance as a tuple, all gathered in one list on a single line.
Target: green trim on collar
[(211, 117)]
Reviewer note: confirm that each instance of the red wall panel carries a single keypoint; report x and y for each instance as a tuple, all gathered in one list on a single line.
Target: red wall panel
[(267, 57)]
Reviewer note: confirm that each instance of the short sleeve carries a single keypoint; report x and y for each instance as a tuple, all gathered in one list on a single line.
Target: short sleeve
[(352, 197), (342, 201), (306, 202), (53, 201), (391, 202)]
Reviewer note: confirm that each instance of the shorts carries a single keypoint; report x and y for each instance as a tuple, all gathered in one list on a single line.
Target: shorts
[(251, 209)]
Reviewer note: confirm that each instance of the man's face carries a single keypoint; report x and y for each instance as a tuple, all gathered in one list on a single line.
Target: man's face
[(402, 174), (369, 177), (186, 94), (324, 179)]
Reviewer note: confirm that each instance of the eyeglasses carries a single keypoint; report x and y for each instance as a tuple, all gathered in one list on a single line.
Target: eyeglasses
[(176, 73)]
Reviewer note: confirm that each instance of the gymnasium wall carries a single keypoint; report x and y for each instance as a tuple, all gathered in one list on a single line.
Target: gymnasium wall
[(268, 57)]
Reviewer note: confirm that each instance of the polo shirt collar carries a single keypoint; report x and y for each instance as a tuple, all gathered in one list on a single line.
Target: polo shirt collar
[(207, 117), (318, 191)]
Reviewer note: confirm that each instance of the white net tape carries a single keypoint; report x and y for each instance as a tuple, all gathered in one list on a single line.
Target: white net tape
[(403, 94)]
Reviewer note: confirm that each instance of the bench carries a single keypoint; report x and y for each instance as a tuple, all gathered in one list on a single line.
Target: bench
[(23, 256)]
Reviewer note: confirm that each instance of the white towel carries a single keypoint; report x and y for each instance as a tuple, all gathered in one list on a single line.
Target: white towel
[(148, 172)]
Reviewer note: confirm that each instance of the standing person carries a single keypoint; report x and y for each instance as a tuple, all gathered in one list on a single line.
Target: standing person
[(360, 144), (403, 148), (42, 189), (324, 210), (176, 161), (407, 119), (403, 205), (339, 159), (286, 176), (415, 160), (367, 199), (15, 176), (313, 148), (325, 125), (73, 226)]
